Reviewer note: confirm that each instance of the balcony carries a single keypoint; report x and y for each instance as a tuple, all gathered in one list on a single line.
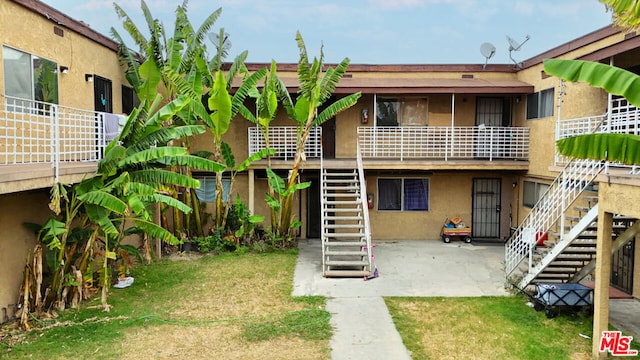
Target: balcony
[(622, 118), (415, 147), (43, 143)]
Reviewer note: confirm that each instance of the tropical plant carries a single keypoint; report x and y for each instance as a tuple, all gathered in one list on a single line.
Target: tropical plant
[(316, 88), (626, 13), (623, 148)]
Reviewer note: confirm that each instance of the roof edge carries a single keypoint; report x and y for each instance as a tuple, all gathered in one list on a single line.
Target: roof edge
[(61, 19)]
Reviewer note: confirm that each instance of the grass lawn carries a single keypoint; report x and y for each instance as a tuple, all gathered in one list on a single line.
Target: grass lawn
[(214, 307), (489, 328), (240, 307)]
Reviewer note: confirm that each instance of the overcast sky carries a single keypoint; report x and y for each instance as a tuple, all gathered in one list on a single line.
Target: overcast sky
[(371, 31)]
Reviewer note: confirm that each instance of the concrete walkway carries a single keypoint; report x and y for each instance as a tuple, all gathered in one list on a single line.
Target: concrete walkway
[(363, 327)]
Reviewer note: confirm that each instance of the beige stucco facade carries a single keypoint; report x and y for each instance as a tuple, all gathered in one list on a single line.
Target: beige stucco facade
[(24, 188)]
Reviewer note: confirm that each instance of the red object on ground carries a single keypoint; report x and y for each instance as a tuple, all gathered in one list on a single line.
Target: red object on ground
[(541, 238)]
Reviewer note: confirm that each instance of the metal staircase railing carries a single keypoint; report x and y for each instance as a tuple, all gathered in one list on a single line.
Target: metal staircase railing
[(564, 190), (363, 199)]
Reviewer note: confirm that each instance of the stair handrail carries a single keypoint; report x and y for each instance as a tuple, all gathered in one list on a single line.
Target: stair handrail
[(363, 201), (322, 206), (562, 192)]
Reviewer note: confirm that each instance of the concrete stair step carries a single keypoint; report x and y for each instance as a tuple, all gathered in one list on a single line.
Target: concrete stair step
[(341, 243), (342, 210), (344, 226), (346, 263), (345, 253), (354, 235), (342, 202), (343, 218), (346, 273)]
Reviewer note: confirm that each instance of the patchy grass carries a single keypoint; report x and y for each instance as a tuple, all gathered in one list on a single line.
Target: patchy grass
[(224, 306), (488, 328)]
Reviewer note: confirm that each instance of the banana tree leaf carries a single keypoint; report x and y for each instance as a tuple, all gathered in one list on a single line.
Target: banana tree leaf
[(169, 110), (100, 216), (610, 78), (156, 231), (622, 148), (104, 200), (170, 201), (148, 155), (336, 107), (227, 155), (255, 157), (158, 177), (220, 104), (194, 162), (275, 181), (151, 74), (296, 187)]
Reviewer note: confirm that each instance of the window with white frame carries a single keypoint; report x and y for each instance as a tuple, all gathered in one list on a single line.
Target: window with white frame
[(540, 104), (403, 194), (29, 77), (532, 192), (407, 111)]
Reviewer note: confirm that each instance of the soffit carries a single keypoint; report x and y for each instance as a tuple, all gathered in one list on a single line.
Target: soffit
[(394, 85)]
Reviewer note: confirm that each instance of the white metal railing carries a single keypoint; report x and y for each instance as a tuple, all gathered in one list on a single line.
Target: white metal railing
[(284, 139), (622, 118), (33, 132), (564, 190), (365, 207), (444, 142)]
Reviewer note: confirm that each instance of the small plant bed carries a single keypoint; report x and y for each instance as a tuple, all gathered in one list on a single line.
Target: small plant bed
[(489, 328), (212, 307)]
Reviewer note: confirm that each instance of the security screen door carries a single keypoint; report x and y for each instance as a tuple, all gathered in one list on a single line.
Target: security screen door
[(486, 208)]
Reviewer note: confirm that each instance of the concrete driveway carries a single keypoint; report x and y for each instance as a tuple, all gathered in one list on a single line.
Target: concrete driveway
[(363, 327)]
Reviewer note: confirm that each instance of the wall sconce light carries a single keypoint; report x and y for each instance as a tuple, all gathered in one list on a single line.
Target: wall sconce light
[(64, 69), (514, 184), (88, 77)]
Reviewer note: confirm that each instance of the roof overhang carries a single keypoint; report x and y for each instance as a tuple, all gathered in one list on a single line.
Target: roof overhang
[(417, 86)]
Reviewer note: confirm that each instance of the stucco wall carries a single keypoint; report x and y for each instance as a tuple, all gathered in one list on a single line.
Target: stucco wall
[(34, 34), (16, 241)]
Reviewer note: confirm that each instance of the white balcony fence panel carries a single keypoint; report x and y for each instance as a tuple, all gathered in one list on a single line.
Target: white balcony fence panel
[(443, 142), (622, 118), (34, 132), (284, 139)]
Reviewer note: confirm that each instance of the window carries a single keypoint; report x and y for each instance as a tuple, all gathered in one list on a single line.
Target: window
[(410, 111), (540, 104), (493, 111), (29, 77), (129, 100), (207, 190), (533, 192), (403, 194)]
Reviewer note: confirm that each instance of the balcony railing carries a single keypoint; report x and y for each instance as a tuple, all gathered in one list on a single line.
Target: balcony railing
[(34, 132), (444, 143), (622, 118), (284, 139)]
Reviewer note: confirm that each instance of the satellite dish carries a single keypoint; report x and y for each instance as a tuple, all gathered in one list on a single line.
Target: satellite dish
[(515, 46), (487, 50)]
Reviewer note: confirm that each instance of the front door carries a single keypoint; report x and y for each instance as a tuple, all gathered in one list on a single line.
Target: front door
[(486, 209), (329, 139)]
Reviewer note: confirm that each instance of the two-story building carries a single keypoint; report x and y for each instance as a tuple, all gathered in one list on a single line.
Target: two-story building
[(60, 85), (424, 143)]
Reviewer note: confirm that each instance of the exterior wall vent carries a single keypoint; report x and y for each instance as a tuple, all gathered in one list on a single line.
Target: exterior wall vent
[(58, 31), (467, 76)]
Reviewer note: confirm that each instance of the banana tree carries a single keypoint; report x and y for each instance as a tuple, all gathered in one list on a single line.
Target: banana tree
[(316, 88), (266, 110), (623, 148)]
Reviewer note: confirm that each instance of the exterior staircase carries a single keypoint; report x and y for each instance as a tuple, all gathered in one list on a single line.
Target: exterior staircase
[(346, 238), (567, 216)]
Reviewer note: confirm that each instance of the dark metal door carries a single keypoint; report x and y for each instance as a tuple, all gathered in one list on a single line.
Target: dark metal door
[(622, 267), (486, 208), (313, 209), (329, 139), (102, 94)]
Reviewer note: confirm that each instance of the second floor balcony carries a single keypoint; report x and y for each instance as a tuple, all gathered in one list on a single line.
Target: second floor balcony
[(42, 143), (408, 144)]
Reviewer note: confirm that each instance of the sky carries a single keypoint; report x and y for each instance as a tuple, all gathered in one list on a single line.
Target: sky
[(369, 31)]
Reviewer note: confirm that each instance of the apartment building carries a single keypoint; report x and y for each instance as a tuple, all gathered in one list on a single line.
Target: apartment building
[(425, 143), (60, 85)]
